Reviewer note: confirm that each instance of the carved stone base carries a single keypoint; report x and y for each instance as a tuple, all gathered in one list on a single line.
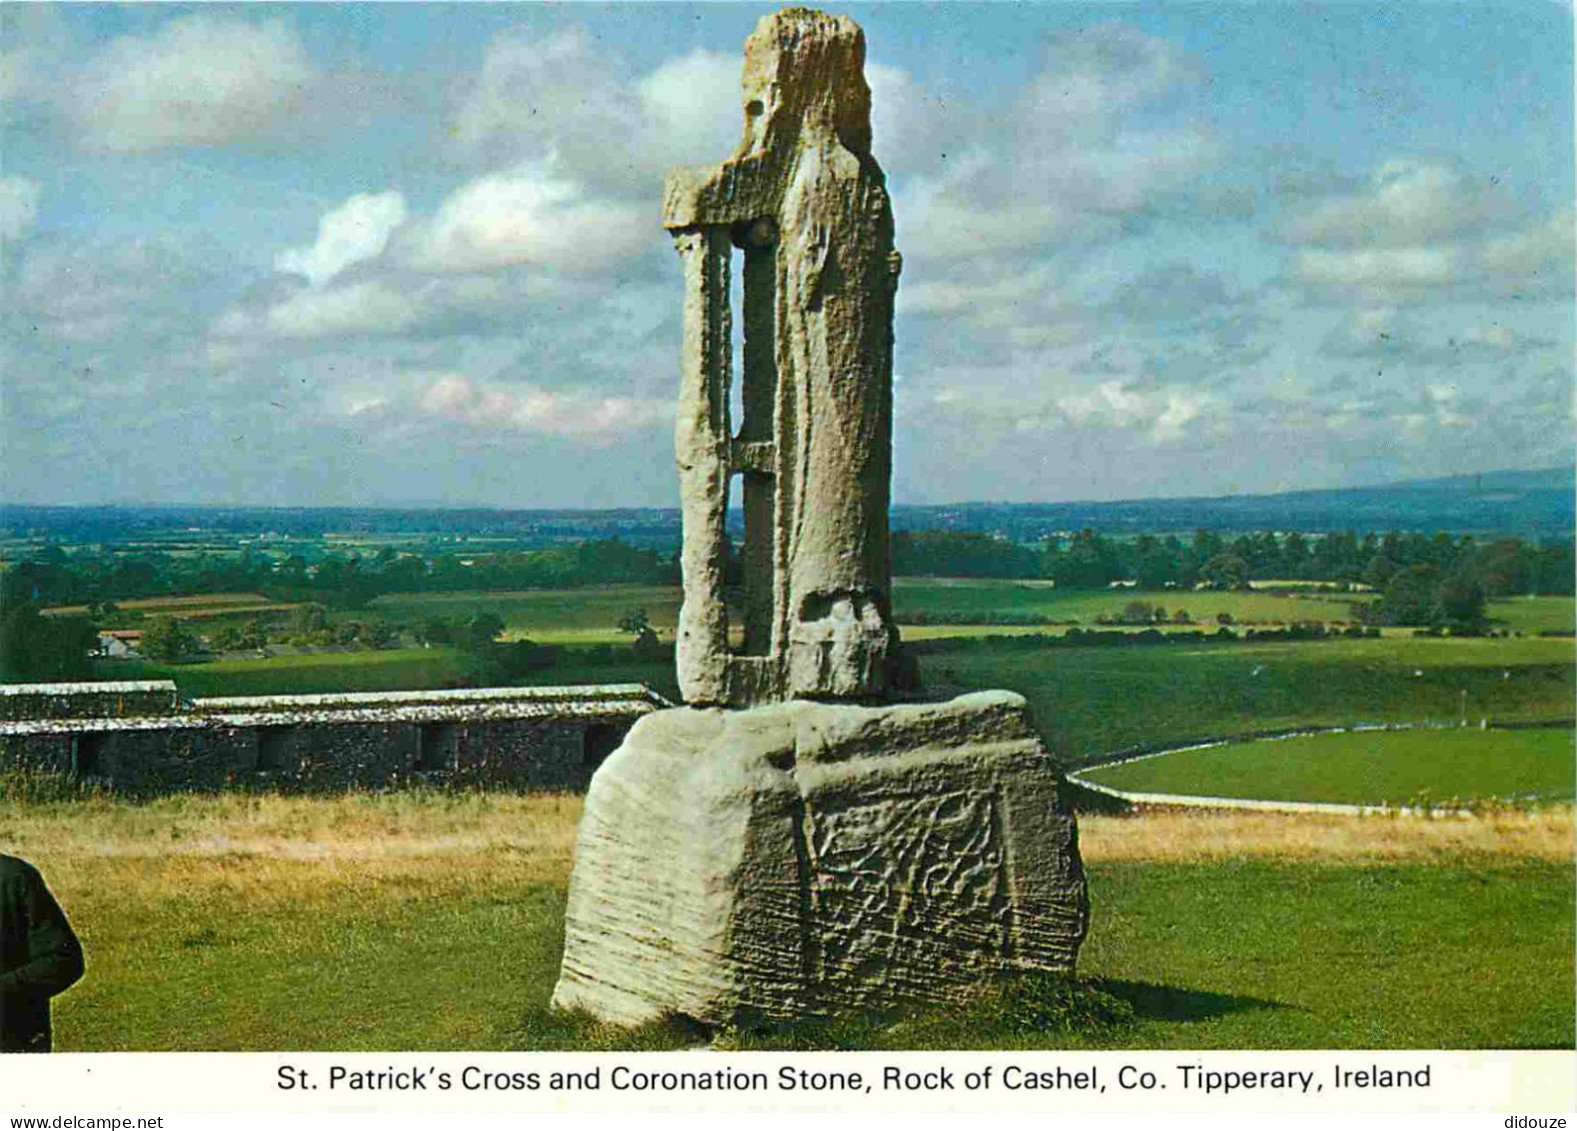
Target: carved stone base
[(809, 858)]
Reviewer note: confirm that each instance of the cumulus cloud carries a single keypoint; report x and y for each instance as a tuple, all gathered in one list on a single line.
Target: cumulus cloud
[(530, 89), (455, 397), (369, 307), (529, 214), (18, 207), (580, 323), (199, 80), (32, 47), (1162, 414), (98, 295), (1175, 295), (561, 96), (1067, 325), (1422, 229), (1093, 74), (1407, 203), (355, 232), (1073, 162), (1441, 339), (691, 100)]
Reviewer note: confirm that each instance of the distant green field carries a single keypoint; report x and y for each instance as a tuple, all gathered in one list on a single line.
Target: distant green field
[(591, 616), (1091, 701), (1088, 701), (919, 597), (929, 596), (403, 669), (394, 670), (1536, 614), (1367, 767), (548, 616)]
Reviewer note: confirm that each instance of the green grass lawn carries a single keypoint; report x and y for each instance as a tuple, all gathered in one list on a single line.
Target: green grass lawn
[(1455, 954), (1093, 701), (1254, 955), (1366, 767)]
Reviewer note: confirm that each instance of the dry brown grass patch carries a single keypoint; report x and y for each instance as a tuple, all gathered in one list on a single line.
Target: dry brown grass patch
[(284, 849), (1206, 835), (289, 851)]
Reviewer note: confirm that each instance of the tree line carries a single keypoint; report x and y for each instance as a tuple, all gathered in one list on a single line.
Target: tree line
[(1085, 560), (1090, 560), (338, 580)]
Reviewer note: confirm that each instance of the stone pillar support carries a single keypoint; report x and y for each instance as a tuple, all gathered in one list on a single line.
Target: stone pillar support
[(701, 439)]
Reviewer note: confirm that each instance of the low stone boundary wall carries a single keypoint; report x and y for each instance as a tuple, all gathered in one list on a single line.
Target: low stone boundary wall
[(532, 738)]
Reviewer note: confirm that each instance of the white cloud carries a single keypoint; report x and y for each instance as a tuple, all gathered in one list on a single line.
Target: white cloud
[(18, 207), (355, 232), (1097, 73), (32, 47), (529, 87), (1424, 230), (201, 79), (1179, 410), (943, 218), (530, 215), (1380, 269), (561, 96), (1407, 203), (455, 397), (1374, 331), (1540, 254), (135, 291), (691, 102), (1434, 338), (361, 308), (1162, 414), (1071, 163)]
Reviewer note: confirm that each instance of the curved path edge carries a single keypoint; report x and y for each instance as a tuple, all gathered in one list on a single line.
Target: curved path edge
[(1187, 801), (1190, 801)]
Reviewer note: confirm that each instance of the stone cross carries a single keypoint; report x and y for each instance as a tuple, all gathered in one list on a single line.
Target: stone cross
[(805, 201), (803, 857)]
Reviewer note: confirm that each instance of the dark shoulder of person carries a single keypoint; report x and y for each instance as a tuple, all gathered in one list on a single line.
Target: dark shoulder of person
[(16, 872), (17, 878)]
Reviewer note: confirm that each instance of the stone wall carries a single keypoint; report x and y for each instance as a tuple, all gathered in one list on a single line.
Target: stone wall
[(521, 738), (88, 700)]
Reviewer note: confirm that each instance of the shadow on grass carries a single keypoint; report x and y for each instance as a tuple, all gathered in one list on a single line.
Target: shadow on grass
[(1151, 1002), (1035, 1011), (543, 1030), (1087, 800)]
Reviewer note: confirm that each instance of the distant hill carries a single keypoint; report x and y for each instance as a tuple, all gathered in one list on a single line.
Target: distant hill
[(1529, 504)]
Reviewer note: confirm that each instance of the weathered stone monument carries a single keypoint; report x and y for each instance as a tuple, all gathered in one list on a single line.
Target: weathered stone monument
[(808, 204), (788, 844)]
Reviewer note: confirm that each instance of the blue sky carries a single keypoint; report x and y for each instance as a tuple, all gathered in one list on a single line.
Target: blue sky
[(409, 253)]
